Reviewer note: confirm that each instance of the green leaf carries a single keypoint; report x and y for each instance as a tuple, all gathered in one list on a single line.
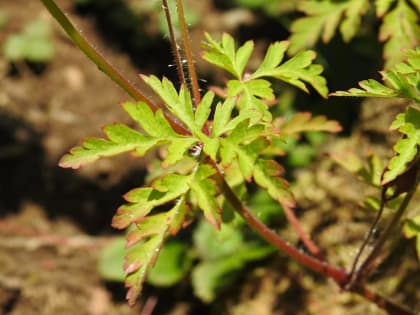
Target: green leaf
[(403, 81), (171, 266), (223, 55), (205, 190), (143, 200), (412, 227), (222, 116), (353, 16), (267, 175), (213, 244), (301, 122), (382, 6), (223, 252), (145, 243), (33, 43), (322, 18), (371, 88), (209, 277), (296, 71), (406, 149), (299, 70), (203, 110), (111, 260), (177, 149), (154, 124), (137, 263), (273, 57), (121, 139), (246, 155), (178, 104), (400, 30)]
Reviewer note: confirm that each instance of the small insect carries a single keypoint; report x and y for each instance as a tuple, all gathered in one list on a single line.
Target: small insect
[(195, 150)]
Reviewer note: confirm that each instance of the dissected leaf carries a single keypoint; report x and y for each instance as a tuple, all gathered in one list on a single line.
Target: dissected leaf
[(154, 124), (179, 104), (145, 243), (203, 110), (400, 30), (205, 190), (301, 122), (322, 20), (403, 81), (121, 139), (406, 149), (322, 17), (296, 71), (143, 200), (267, 174), (223, 54)]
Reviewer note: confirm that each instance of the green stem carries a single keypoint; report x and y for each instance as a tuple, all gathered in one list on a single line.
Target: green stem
[(95, 56), (102, 64), (188, 53)]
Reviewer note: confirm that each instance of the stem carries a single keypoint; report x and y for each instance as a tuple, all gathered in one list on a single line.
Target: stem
[(310, 245), (369, 236), (365, 267), (340, 276), (175, 47), (94, 55), (382, 302), (104, 65), (188, 53)]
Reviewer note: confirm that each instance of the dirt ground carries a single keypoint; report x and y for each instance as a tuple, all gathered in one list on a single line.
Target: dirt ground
[(54, 222)]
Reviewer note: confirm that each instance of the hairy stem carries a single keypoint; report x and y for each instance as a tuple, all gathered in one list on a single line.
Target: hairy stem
[(176, 50), (104, 65), (188, 53)]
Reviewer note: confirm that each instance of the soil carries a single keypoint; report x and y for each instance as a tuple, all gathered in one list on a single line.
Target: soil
[(54, 222)]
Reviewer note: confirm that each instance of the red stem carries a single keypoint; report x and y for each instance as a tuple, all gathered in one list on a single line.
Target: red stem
[(310, 245), (175, 48), (340, 276), (188, 53)]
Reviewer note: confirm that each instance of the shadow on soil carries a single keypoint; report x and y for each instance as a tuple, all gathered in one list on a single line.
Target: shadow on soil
[(27, 175)]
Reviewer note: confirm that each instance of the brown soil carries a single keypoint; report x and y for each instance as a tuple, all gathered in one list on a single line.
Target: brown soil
[(54, 222)]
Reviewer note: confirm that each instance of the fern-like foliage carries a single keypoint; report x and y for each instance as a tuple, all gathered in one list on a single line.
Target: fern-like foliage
[(399, 29), (402, 81), (235, 139)]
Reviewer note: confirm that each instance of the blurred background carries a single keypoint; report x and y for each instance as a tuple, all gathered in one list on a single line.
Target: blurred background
[(58, 253)]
